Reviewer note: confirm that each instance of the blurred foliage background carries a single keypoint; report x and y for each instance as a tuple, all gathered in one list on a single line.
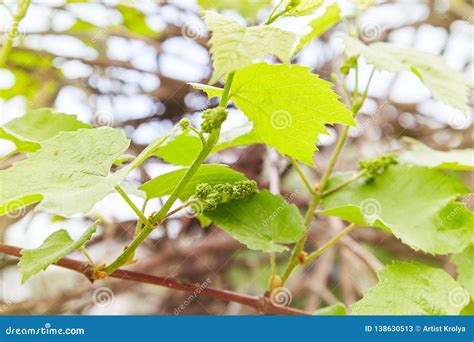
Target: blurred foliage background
[(127, 63)]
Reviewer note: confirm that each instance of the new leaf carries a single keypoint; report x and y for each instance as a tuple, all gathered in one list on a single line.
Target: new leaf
[(420, 154), (296, 8), (69, 174), (410, 289), (288, 105), (446, 84), (320, 25), (208, 173), (184, 148), (54, 248), (234, 46), (29, 130), (465, 263), (262, 222), (415, 203)]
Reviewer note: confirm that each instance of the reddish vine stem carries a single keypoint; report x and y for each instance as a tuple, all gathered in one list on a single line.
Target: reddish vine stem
[(260, 304)]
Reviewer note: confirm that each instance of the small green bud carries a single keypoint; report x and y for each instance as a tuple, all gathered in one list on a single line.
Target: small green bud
[(378, 165), (293, 3), (213, 119), (244, 189), (184, 124), (349, 63), (210, 204), (203, 190), (226, 190)]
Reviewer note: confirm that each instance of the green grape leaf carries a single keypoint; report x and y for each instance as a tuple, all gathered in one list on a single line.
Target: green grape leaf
[(234, 46), (211, 91), (25, 84), (135, 21), (247, 9), (262, 222), (320, 25), (29, 130), (69, 174), (338, 309), (410, 289), (286, 101), (238, 136), (181, 150), (446, 84), (415, 203), (465, 263), (208, 173), (301, 7), (185, 147), (54, 248), (468, 310), (420, 154)]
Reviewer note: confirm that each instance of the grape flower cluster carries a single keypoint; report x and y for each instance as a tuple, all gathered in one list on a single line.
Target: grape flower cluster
[(212, 195), (213, 119), (377, 166)]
